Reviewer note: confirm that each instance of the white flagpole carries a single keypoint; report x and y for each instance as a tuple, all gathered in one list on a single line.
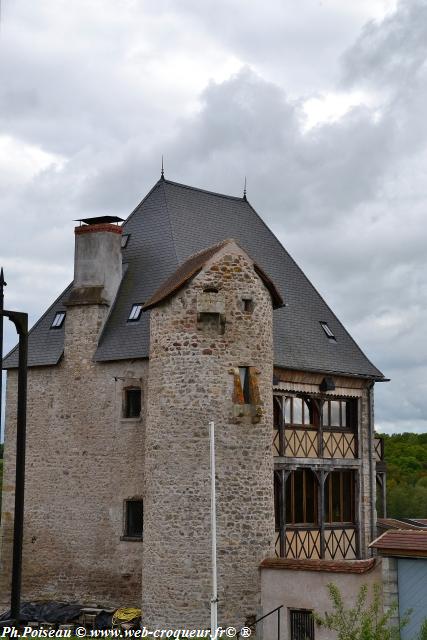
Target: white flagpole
[(214, 599)]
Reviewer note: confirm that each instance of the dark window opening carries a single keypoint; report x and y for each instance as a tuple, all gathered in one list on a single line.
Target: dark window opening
[(210, 289), (301, 497), (248, 305), (125, 240), (302, 624), (244, 382), (339, 497), (135, 312), (326, 328), (134, 518), (58, 320), (132, 403)]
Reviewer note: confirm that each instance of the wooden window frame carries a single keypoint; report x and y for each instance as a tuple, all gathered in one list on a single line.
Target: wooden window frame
[(347, 407), (328, 506), (306, 473), (309, 406)]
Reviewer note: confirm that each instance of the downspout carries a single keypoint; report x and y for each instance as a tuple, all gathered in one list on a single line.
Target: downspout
[(371, 458)]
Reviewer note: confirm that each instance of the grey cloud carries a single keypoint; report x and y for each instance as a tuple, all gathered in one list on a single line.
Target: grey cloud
[(347, 198), (391, 52)]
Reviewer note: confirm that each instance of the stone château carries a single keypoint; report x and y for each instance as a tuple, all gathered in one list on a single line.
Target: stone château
[(192, 311)]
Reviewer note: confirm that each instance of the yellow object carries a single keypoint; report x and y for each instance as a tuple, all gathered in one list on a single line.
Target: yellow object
[(126, 614)]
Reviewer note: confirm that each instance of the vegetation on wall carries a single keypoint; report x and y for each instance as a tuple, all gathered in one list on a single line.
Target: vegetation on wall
[(406, 458), (366, 620)]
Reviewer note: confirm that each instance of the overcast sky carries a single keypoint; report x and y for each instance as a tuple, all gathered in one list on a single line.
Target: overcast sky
[(322, 104)]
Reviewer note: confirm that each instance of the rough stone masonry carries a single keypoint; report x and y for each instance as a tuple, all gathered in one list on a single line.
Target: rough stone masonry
[(191, 381)]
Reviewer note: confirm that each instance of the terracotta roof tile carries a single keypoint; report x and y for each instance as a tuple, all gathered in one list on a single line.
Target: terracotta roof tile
[(192, 266), (330, 566), (402, 542)]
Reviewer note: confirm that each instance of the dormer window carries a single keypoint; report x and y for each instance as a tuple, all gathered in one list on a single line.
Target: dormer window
[(58, 320), (125, 240), (135, 312), (326, 328)]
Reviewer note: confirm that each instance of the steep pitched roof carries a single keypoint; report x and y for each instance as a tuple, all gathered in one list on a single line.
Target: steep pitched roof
[(192, 266), (173, 222)]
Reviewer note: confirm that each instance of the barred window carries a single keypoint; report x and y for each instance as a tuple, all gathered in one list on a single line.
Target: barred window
[(302, 624)]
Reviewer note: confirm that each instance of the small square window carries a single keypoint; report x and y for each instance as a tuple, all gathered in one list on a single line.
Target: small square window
[(326, 328), (248, 305), (134, 519), (125, 240), (132, 403), (135, 312), (58, 320), (302, 624)]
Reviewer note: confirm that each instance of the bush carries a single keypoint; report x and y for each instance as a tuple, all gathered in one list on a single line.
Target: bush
[(362, 622)]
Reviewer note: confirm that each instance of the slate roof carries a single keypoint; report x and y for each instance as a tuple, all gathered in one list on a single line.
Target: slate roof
[(394, 523), (192, 266), (173, 222)]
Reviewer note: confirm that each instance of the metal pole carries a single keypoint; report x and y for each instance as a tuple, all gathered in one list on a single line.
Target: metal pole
[(21, 426), (2, 285), (20, 321), (214, 599)]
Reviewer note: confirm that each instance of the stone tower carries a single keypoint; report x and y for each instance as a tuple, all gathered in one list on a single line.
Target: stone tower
[(211, 358)]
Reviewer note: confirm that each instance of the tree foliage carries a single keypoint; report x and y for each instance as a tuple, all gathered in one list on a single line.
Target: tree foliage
[(364, 621), (406, 458)]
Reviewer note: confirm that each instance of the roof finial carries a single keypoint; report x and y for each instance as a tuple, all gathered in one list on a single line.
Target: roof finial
[(162, 175), (3, 282), (244, 190)]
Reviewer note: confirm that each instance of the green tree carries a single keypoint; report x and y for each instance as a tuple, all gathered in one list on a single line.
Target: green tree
[(364, 621)]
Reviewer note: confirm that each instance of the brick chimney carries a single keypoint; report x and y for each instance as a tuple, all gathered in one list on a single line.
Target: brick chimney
[(97, 262)]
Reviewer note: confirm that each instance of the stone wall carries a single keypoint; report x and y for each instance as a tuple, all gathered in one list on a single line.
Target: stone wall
[(191, 381), (83, 461)]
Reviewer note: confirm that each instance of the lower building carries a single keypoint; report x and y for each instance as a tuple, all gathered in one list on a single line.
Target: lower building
[(404, 576)]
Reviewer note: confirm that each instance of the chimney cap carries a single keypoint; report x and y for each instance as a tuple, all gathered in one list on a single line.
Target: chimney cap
[(100, 220)]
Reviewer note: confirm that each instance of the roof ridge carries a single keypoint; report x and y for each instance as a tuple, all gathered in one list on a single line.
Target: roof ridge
[(212, 193), (159, 181)]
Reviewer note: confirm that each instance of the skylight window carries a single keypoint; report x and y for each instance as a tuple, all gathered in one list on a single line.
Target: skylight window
[(326, 328), (58, 320), (125, 240), (135, 312)]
